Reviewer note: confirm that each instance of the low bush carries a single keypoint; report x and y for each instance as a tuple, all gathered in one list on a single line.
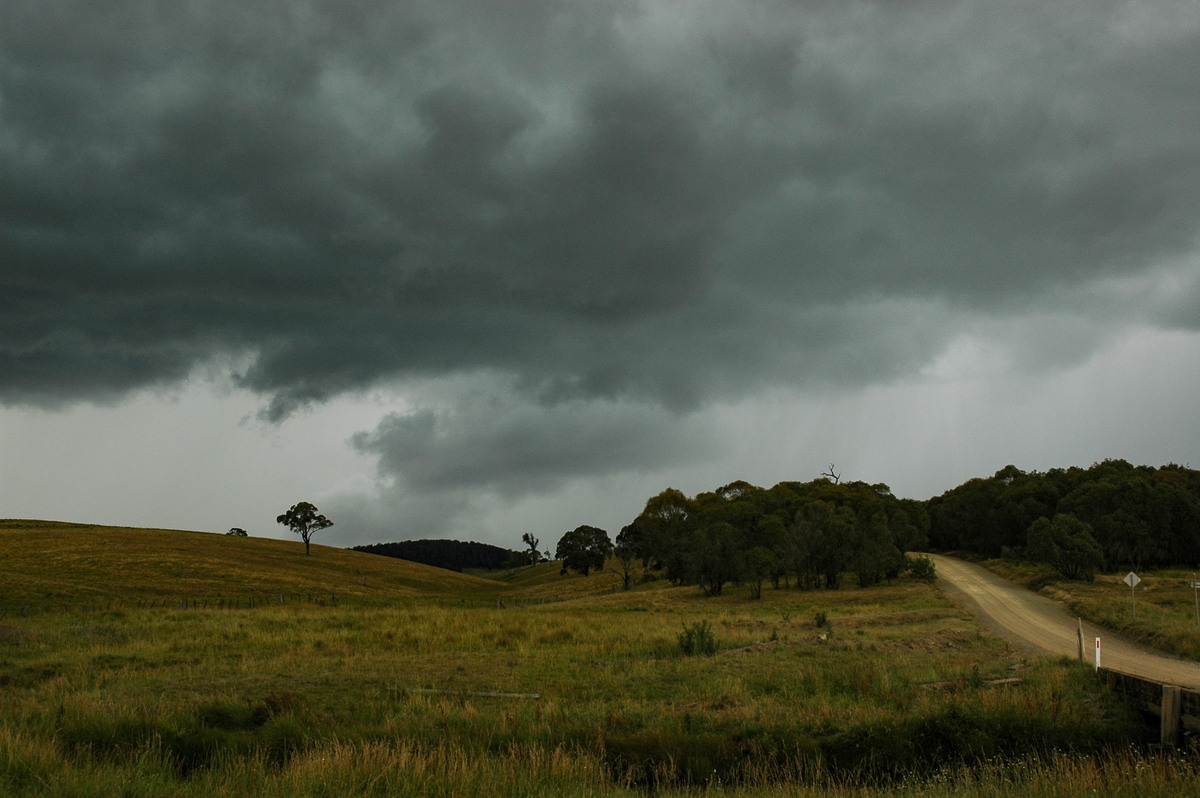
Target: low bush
[(922, 569), (697, 638)]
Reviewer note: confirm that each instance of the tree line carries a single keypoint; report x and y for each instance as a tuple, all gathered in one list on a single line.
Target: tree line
[(807, 535), (1110, 516), (813, 535)]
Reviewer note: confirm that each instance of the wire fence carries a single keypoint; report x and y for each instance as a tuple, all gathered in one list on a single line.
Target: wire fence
[(243, 602), (17, 609)]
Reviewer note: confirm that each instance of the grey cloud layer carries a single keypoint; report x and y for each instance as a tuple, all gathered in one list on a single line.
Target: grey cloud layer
[(648, 202), (514, 450)]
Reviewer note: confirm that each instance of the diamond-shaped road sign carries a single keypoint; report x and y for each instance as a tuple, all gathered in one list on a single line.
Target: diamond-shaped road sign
[(1132, 579)]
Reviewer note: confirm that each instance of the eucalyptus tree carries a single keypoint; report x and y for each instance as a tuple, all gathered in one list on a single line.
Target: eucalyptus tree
[(305, 520), (583, 549)]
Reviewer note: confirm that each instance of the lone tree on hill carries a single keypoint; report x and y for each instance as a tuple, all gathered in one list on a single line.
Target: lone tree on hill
[(304, 520)]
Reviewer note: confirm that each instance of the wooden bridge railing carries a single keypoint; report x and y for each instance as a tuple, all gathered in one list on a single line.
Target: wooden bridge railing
[(1177, 708)]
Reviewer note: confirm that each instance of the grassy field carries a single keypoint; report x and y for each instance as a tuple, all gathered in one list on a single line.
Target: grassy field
[(418, 684), (50, 564), (543, 583), (1165, 616)]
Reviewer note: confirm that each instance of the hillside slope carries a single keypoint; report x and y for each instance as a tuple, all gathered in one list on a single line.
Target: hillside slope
[(57, 562), (544, 582)]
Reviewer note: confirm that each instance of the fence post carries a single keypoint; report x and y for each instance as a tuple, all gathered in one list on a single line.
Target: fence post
[(1172, 710)]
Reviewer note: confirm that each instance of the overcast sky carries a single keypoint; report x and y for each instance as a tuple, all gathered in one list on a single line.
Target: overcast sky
[(472, 269)]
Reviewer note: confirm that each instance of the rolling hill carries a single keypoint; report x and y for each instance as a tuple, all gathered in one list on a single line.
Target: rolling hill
[(56, 562)]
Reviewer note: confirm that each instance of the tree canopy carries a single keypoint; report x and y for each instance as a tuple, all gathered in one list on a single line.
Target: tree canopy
[(1139, 516), (809, 534), (305, 520), (1067, 544), (583, 549), (815, 534)]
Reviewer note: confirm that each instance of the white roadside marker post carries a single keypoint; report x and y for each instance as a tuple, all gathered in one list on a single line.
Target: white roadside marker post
[(1097, 653), (1196, 593)]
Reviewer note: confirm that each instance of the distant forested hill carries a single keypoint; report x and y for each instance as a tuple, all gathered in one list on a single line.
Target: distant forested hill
[(453, 555)]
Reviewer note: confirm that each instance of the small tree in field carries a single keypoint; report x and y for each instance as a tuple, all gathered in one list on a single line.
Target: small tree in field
[(583, 549), (304, 520)]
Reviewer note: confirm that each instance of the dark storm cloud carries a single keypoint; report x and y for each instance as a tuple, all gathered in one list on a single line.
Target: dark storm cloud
[(627, 202)]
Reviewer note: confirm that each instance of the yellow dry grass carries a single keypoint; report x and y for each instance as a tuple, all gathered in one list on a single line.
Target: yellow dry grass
[(55, 563)]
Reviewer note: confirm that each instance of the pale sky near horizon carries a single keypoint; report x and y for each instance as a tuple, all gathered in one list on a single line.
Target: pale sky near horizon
[(451, 269)]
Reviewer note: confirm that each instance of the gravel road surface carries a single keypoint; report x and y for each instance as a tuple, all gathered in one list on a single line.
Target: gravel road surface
[(1036, 622)]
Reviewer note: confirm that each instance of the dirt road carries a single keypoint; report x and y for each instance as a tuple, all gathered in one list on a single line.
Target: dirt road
[(1036, 622)]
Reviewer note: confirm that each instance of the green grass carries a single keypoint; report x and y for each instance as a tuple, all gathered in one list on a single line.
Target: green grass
[(1165, 603), (428, 692)]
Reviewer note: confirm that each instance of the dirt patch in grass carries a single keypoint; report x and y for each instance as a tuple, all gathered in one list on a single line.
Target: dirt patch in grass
[(12, 635), (888, 619), (938, 641), (759, 647)]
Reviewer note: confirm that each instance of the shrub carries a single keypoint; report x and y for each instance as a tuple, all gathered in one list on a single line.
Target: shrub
[(922, 569), (697, 638)]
